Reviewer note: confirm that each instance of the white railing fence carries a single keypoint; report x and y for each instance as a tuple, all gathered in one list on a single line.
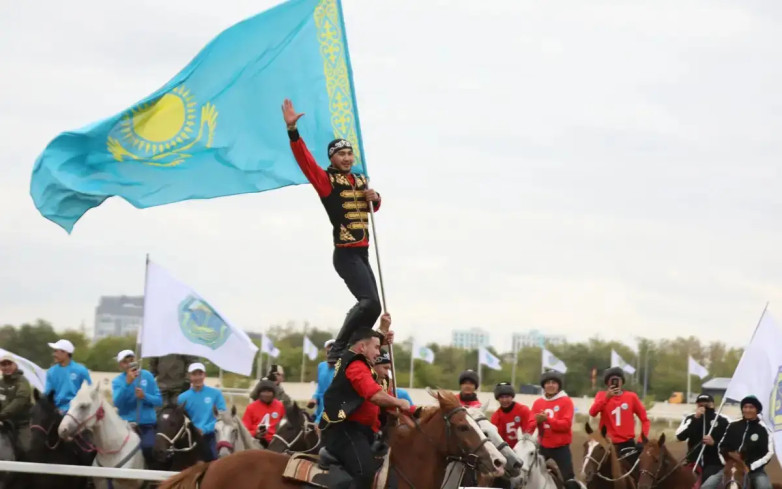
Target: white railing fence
[(85, 471)]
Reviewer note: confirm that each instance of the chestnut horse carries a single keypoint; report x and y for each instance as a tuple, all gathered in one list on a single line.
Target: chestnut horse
[(602, 467), (735, 474), (659, 469), (419, 455)]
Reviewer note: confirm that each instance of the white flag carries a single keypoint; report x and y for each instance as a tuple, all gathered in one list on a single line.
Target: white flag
[(694, 368), (759, 374), (268, 347), (552, 362), (486, 358), (178, 321), (310, 349), (32, 372), (617, 361), (423, 353)]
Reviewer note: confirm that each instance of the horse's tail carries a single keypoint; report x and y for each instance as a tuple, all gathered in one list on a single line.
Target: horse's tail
[(187, 479)]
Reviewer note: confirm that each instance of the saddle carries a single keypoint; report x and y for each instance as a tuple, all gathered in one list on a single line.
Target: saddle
[(324, 470), (553, 469)]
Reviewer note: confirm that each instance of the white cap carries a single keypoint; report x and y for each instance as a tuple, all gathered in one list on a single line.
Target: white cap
[(196, 366), (63, 345), (329, 343), (124, 354)]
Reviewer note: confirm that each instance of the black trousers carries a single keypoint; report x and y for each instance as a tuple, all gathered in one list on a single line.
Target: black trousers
[(563, 458), (351, 444), (352, 264)]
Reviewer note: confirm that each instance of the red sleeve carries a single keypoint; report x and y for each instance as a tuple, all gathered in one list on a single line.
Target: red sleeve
[(598, 405), (526, 417), (361, 379), (249, 419), (640, 411), (495, 418), (563, 423), (532, 424), (316, 175)]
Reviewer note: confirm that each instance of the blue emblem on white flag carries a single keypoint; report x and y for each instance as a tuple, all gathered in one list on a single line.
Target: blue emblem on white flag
[(201, 324)]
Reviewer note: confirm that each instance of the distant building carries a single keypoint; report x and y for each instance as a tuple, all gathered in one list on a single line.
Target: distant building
[(469, 338), (118, 316), (535, 338)]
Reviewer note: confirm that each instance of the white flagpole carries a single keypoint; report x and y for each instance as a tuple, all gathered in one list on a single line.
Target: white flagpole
[(412, 360), (513, 370), (480, 377), (724, 398), (542, 364), (689, 381), (303, 353), (139, 334), (260, 357)]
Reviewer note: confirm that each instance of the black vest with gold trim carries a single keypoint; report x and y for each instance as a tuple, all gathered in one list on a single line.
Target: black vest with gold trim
[(341, 399), (347, 208)]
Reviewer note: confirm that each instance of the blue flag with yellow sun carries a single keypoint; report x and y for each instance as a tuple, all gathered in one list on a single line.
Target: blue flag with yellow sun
[(216, 128)]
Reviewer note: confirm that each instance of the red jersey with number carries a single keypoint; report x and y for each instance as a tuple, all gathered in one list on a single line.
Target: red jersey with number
[(557, 430), (510, 420), (618, 414), (470, 401), (260, 413)]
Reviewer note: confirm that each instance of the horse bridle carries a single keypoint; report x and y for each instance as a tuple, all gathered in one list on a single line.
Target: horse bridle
[(47, 434), (308, 427), (227, 444), (655, 480), (184, 430), (606, 454), (89, 447)]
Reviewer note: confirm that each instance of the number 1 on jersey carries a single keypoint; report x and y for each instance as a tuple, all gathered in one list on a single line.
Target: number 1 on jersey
[(617, 415)]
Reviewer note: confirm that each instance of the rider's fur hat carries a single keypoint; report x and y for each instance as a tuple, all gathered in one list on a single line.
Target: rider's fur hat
[(552, 375), (503, 389), (469, 376), (754, 401), (613, 372)]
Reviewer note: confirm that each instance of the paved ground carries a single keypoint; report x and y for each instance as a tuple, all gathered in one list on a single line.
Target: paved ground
[(677, 448)]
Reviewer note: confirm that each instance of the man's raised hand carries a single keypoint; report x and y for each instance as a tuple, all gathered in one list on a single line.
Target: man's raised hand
[(289, 113)]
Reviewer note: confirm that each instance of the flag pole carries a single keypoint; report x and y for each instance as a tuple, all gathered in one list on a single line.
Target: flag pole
[(303, 353), (480, 376), (140, 333), (371, 207), (412, 360), (724, 397)]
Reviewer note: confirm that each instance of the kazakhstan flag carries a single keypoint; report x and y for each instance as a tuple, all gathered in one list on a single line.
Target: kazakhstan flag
[(216, 128)]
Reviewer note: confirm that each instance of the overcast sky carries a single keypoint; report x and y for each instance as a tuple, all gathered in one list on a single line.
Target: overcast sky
[(581, 168)]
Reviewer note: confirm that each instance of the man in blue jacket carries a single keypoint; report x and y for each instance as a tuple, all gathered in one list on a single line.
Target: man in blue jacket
[(200, 401), (136, 395), (65, 377), (325, 374)]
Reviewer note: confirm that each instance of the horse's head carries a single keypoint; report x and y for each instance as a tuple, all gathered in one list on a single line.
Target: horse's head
[(173, 426), (651, 462), (86, 410), (735, 472), (295, 432), (226, 431), (526, 450), (597, 451), (470, 443), (513, 464)]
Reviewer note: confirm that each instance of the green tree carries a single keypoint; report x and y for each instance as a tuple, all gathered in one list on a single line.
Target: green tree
[(102, 356)]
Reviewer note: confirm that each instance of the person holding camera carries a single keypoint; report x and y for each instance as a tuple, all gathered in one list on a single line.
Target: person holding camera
[(618, 409), (136, 395)]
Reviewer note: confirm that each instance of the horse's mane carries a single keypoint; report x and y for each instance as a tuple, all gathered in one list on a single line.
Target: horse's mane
[(293, 415), (448, 400), (736, 457)]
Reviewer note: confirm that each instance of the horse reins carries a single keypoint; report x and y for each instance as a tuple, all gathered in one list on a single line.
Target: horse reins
[(676, 466), (182, 431), (88, 447), (606, 453), (305, 430)]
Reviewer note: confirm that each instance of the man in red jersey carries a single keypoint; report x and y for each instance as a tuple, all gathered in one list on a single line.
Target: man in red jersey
[(617, 409), (264, 414), (468, 384), (553, 416), (346, 197), (511, 415), (351, 409)]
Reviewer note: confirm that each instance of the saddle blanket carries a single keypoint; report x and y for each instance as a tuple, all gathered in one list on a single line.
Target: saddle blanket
[(304, 468)]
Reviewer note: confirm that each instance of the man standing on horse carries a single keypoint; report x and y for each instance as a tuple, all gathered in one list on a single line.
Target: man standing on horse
[(171, 375), (383, 369), (553, 416), (617, 409), (325, 374), (136, 395), (468, 384), (65, 377), (200, 402), (15, 403), (352, 404), (346, 197), (264, 414), (695, 430), (511, 416), (751, 437)]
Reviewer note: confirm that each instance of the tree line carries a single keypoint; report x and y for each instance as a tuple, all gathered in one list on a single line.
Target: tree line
[(662, 362)]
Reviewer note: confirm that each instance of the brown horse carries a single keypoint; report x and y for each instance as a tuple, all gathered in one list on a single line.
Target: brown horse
[(735, 474), (658, 468), (602, 468), (419, 455)]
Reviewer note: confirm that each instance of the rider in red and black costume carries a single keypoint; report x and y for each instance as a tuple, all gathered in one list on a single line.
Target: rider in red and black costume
[(351, 409), (346, 197)]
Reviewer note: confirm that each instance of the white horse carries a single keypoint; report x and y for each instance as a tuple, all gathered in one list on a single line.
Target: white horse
[(534, 473), (513, 463), (231, 435), (115, 442)]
